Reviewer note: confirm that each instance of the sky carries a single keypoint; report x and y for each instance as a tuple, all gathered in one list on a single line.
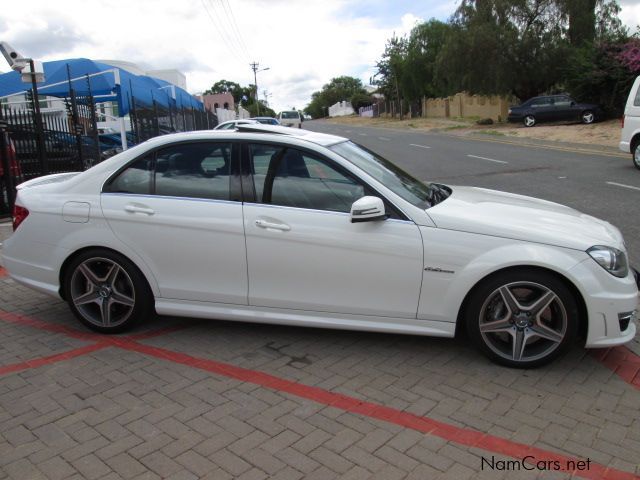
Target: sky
[(304, 43)]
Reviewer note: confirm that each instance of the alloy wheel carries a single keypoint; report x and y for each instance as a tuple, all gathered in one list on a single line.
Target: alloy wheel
[(523, 321), (102, 292), (529, 121), (588, 117)]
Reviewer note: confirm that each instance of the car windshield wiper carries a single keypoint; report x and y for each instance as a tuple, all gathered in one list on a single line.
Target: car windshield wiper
[(436, 193)]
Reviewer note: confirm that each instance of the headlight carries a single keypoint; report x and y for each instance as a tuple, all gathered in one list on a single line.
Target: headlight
[(612, 260)]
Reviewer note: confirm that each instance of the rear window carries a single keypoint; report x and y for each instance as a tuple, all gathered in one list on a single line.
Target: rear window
[(290, 115)]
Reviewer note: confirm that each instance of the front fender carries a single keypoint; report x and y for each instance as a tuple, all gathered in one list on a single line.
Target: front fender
[(454, 262)]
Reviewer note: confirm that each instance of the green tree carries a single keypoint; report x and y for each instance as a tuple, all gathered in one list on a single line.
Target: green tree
[(337, 90), (239, 92), (424, 47), (361, 100), (504, 47)]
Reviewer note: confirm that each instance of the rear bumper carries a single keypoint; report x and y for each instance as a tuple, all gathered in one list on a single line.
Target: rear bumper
[(625, 147)]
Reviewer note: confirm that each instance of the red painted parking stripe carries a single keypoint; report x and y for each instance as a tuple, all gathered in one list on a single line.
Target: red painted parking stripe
[(58, 357), (156, 333), (26, 321), (621, 360), (23, 320), (464, 436)]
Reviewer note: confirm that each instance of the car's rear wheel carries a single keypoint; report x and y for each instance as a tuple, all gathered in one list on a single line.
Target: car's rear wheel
[(588, 117), (529, 120), (106, 291), (636, 155), (522, 318)]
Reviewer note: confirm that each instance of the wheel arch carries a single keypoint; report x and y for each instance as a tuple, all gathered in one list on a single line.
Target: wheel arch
[(67, 261), (635, 140), (583, 318)]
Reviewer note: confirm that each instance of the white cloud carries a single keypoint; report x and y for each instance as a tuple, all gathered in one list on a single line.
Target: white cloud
[(304, 43), (630, 14)]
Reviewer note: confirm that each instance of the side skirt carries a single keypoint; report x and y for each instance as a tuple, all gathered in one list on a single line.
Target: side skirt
[(302, 318)]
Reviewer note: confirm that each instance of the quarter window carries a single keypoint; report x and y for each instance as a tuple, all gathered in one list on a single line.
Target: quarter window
[(137, 178), (293, 178)]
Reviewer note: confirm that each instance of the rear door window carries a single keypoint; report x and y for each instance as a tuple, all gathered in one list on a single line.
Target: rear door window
[(190, 170)]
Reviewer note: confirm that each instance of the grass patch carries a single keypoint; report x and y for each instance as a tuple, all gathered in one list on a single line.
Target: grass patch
[(492, 132), (455, 127)]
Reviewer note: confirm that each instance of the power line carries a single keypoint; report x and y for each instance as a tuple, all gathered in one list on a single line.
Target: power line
[(227, 29), (229, 11), (217, 27)]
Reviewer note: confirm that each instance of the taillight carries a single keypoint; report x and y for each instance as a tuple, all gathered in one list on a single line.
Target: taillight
[(19, 214)]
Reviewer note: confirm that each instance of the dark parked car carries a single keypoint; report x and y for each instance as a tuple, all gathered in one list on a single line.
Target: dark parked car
[(266, 120), (552, 108)]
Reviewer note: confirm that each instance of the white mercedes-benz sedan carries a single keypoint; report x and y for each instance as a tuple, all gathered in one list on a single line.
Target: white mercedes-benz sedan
[(274, 225)]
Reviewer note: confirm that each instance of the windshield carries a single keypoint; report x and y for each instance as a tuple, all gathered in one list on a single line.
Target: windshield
[(290, 115), (393, 177)]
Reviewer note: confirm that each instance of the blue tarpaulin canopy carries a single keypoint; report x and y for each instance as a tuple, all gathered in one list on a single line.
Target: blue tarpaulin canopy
[(106, 82)]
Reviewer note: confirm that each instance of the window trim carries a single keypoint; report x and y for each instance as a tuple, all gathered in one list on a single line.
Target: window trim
[(248, 183), (235, 192)]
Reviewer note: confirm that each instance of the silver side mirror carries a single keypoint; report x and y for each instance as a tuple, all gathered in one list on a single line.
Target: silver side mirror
[(367, 209)]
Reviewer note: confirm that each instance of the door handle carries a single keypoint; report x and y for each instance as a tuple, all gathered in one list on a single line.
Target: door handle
[(137, 209), (275, 226)]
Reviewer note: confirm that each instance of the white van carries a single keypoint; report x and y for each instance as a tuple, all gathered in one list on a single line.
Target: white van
[(630, 138), (291, 118)]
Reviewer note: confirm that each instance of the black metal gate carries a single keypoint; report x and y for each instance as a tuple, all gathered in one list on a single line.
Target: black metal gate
[(67, 139)]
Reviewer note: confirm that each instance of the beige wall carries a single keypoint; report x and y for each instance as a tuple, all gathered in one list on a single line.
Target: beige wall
[(465, 105)]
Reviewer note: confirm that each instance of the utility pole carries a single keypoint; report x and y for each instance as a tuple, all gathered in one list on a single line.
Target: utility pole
[(255, 67)]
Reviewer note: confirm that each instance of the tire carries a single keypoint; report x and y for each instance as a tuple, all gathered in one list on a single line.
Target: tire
[(529, 308), (635, 155), (588, 117), (529, 120), (106, 291)]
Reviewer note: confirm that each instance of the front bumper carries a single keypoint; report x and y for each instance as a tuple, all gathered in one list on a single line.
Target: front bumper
[(608, 299)]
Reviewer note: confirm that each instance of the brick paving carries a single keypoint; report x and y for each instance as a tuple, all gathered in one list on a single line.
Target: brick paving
[(182, 398)]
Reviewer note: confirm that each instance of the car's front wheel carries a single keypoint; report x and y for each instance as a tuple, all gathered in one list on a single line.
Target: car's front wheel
[(106, 291), (588, 117), (529, 121), (522, 318)]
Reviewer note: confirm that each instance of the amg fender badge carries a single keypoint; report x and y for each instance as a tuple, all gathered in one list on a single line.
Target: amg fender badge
[(438, 269)]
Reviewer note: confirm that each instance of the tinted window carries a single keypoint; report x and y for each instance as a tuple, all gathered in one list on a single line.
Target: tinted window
[(542, 102), (293, 178), (197, 170), (290, 115), (136, 178), (562, 101), (636, 102)]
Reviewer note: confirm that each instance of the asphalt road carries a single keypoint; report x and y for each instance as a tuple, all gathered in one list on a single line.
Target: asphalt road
[(603, 185)]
